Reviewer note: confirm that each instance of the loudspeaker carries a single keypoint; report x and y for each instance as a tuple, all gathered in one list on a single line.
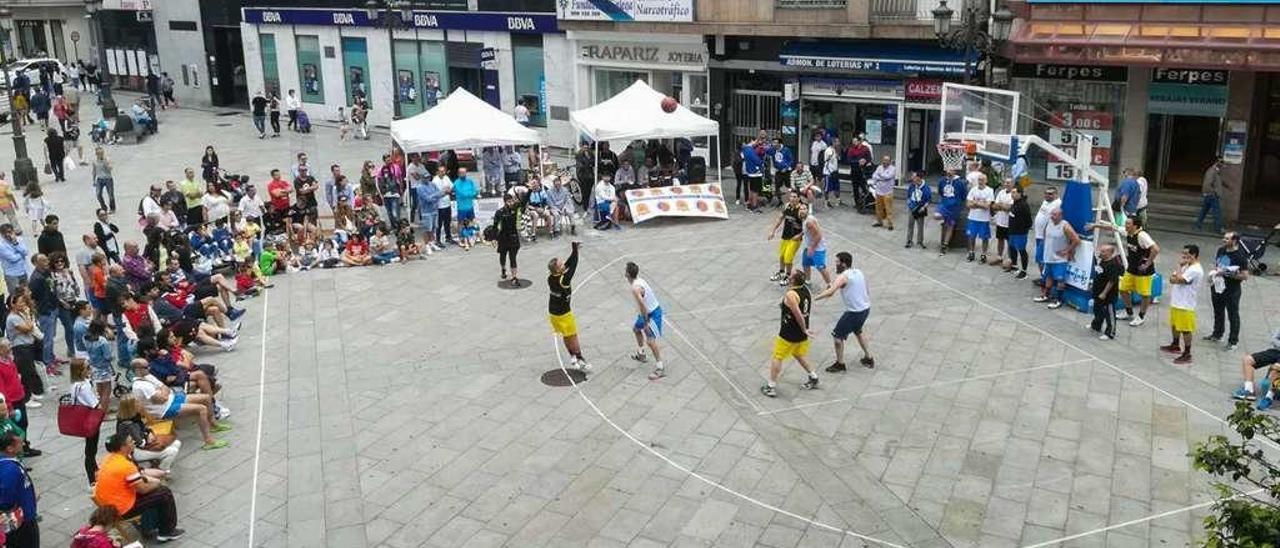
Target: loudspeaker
[(697, 170)]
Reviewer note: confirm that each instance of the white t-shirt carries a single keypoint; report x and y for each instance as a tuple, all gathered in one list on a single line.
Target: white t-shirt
[(854, 293), (815, 151), (219, 206), (145, 388), (522, 114), (831, 161), (84, 393), (1042, 216), (292, 102), (1142, 194), (650, 299), (1184, 295), (444, 185), (980, 193), (974, 178), (1005, 199)]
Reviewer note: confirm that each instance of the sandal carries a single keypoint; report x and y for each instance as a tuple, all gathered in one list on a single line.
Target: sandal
[(217, 444), (220, 427)]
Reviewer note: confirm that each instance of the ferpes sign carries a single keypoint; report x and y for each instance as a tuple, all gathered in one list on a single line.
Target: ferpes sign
[(1080, 122)]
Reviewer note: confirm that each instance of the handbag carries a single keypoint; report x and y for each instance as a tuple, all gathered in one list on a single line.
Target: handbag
[(78, 420), (48, 169), (68, 165), (161, 427)]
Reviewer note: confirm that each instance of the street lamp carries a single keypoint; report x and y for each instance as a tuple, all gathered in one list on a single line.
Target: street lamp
[(970, 36), (23, 170), (392, 14), (93, 12)]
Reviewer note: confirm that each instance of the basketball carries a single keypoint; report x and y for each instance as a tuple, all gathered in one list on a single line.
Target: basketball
[(669, 105)]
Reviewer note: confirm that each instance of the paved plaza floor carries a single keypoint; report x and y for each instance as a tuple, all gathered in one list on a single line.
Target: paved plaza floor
[(401, 406)]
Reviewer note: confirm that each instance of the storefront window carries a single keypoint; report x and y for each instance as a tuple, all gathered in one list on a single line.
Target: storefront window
[(355, 60), (611, 82), (1091, 108), (309, 72), (270, 68), (696, 93), (434, 82), (405, 56), (531, 82)]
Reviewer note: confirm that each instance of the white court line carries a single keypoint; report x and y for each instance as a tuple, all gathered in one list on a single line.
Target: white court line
[(1142, 520), (923, 386), (700, 477), (257, 446), (1113, 367), (697, 311)]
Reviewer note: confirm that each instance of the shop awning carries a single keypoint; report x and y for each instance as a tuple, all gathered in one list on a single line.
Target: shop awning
[(1217, 45), (878, 56)]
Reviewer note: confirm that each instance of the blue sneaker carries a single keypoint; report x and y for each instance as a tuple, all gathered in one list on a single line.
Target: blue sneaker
[(235, 313), (1264, 403), (1264, 386), (1242, 394)]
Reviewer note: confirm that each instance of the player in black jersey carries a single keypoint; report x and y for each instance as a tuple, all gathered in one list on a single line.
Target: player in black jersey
[(793, 335), (560, 283), (791, 224)]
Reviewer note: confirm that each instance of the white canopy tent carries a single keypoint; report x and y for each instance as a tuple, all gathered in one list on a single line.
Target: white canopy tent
[(636, 113), (462, 120)]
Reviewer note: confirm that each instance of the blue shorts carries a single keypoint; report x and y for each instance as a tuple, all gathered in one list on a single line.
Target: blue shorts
[(832, 183), (977, 229), (465, 215), (651, 323), (428, 221), (1018, 241), (1056, 271), (603, 207), (179, 398), (850, 322), (949, 217), (817, 260), (1040, 251)]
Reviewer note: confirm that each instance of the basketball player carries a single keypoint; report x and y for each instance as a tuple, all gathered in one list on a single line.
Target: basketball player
[(789, 221), (648, 325), (793, 335), (560, 281), (852, 285), (813, 245)]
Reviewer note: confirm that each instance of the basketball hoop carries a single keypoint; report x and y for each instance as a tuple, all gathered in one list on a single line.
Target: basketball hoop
[(953, 153)]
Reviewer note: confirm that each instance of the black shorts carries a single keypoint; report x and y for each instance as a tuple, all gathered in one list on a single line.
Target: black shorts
[(850, 322), (193, 311), (185, 328), (1002, 232), (1270, 356), (755, 183), (204, 290)]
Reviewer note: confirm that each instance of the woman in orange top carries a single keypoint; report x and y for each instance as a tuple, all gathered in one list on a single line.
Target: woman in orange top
[(98, 283)]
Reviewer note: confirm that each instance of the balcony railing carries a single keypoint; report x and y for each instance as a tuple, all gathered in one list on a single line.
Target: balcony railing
[(914, 10), (810, 4)]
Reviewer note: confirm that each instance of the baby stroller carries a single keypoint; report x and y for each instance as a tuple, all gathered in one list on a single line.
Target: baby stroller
[(1255, 247), (304, 122)]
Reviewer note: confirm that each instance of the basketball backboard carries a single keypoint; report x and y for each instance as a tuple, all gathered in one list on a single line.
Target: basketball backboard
[(985, 116)]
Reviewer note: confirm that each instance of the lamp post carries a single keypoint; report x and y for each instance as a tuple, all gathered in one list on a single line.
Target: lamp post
[(23, 170), (93, 12), (392, 14), (970, 36)]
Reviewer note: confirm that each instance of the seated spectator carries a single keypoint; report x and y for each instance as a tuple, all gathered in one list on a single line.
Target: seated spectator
[(329, 256), (406, 243), (537, 208), (133, 492), (150, 444), (383, 249), (356, 252), (164, 403), (142, 117), (98, 533)]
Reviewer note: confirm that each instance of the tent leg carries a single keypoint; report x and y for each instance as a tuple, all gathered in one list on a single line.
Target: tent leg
[(719, 170)]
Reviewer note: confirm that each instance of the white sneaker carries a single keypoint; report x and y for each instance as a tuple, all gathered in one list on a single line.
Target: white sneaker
[(428, 250), (223, 413), (582, 365), (229, 345), (36, 397), (1136, 321), (1104, 337), (34, 404)]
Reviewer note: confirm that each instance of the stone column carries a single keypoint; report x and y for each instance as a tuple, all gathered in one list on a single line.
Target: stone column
[(1240, 100)]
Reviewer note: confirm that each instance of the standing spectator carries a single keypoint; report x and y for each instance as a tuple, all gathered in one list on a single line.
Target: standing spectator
[(1211, 195), (40, 105), (979, 201), (1105, 289), (1185, 281), (951, 197), (55, 150), (918, 197), (608, 160), (51, 240), (1019, 226), (17, 492), (292, 105), (1140, 254), (305, 187), (209, 164), (133, 492), (259, 110), (193, 190), (831, 172), (1128, 194), (9, 205), (784, 162), (444, 209), (45, 296), (522, 113), (103, 179), (20, 329), (1142, 196), (273, 108), (278, 195), (84, 393), (883, 180), (414, 174), (491, 164), (753, 170), (61, 112), (153, 89), (105, 231), (511, 168), (1050, 203), (428, 196), (215, 205), (390, 189), (13, 259), (166, 90), (1060, 242), (816, 148), (1230, 270), (1000, 212)]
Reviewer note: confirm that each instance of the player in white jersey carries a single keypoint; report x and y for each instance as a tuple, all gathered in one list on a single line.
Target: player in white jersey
[(648, 324), (851, 284)]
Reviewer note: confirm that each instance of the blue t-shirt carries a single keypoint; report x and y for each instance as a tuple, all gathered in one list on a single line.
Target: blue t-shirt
[(464, 193), (78, 330), (16, 488), (752, 165), (1131, 191), (952, 193)]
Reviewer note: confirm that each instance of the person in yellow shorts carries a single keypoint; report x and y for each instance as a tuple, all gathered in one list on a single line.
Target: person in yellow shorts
[(1140, 253), (789, 221), (560, 282), (793, 335), (1185, 282)]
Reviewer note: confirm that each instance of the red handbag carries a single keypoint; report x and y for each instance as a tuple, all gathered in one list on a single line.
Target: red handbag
[(78, 420)]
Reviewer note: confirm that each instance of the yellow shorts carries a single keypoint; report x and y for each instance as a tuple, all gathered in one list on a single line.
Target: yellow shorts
[(783, 349), (1182, 320), (787, 250), (564, 324), (1137, 284)]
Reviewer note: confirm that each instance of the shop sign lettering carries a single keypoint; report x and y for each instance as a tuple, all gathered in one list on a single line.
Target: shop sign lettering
[(272, 17), (342, 18), (637, 53), (1190, 76)]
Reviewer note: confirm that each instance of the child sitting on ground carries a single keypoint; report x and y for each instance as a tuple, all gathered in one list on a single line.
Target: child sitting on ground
[(202, 242), (286, 260), (405, 241), (309, 257), (222, 239), (467, 233), (328, 255)]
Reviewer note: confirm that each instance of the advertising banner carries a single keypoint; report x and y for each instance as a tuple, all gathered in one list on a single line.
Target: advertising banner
[(677, 201), (669, 11), (1080, 269), (1077, 123)]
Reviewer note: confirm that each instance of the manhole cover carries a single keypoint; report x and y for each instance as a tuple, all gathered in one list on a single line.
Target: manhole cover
[(514, 284), (227, 114), (224, 124), (558, 377)]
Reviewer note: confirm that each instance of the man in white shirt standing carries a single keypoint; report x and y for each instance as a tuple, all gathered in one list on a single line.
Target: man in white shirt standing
[(852, 286), (882, 183), (444, 208), (292, 105), (1001, 207), (1050, 203), (816, 148), (1184, 286), (979, 225), (522, 113)]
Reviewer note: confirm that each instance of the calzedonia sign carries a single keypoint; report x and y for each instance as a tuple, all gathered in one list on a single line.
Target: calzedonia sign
[(1078, 73), (491, 21)]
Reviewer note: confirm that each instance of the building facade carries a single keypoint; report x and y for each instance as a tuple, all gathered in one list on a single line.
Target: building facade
[(329, 55), (1161, 87), (51, 28)]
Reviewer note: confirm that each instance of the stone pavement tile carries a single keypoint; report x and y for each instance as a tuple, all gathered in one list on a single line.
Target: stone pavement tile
[(624, 525), (379, 529), (456, 532), (539, 529), (666, 523), (1035, 534), (1004, 518), (305, 533), (485, 539), (710, 520), (352, 535), (781, 535), (434, 516), (962, 520), (1091, 493), (515, 515), (1047, 508)]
